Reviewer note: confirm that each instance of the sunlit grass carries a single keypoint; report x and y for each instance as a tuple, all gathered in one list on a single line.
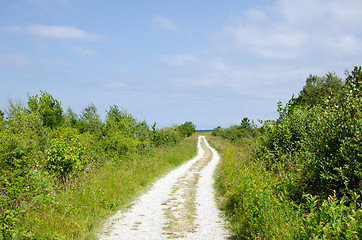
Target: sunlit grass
[(253, 207), (79, 212)]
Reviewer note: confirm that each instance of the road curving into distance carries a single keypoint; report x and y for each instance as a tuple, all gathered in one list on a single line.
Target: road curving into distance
[(179, 205)]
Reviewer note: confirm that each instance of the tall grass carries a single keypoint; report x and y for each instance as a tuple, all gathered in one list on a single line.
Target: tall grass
[(80, 210), (251, 204)]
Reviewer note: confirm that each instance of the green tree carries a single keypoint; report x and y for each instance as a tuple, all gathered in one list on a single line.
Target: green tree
[(48, 108), (14, 106), (120, 120), (71, 118), (317, 89), (187, 129), (90, 120), (245, 123)]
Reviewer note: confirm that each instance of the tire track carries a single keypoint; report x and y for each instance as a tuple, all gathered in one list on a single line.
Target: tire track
[(180, 205)]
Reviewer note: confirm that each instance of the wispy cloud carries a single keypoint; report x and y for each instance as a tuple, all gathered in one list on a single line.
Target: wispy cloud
[(165, 23), (84, 52), (55, 32), (179, 59)]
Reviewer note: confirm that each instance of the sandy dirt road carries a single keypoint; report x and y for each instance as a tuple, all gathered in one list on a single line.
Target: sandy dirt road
[(181, 205)]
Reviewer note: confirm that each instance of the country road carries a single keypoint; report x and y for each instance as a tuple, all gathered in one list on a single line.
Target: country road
[(180, 205)]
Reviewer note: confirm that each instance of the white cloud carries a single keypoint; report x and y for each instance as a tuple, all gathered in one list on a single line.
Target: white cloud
[(56, 32), (179, 59), (291, 30), (84, 52), (165, 23)]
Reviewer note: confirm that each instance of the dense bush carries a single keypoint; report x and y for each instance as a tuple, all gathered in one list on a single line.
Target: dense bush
[(322, 140), (187, 129), (69, 153), (167, 135), (48, 108)]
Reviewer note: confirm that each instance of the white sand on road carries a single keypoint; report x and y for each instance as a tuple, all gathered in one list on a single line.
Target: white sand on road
[(180, 205)]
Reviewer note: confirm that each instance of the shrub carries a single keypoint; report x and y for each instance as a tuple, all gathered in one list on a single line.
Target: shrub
[(22, 178), (117, 145), (69, 152), (331, 218), (167, 136), (322, 140), (48, 108), (187, 129)]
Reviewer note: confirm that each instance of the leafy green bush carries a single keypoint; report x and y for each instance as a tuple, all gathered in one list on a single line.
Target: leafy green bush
[(118, 145), (69, 152), (237, 133), (167, 136), (331, 219), (187, 129), (48, 108), (22, 178), (322, 140)]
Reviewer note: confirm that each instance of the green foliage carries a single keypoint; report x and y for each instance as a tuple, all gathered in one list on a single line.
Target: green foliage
[(14, 106), (81, 209), (322, 140), (187, 129), (310, 157), (252, 205), (246, 123), (317, 89), (22, 178), (91, 121), (69, 152), (117, 145), (44, 154), (237, 133), (167, 136), (118, 120), (48, 108), (333, 218)]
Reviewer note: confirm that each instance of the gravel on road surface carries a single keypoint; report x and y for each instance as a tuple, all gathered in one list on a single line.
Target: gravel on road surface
[(180, 205)]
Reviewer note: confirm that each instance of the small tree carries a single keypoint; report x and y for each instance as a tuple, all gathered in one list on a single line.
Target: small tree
[(90, 121), (48, 108), (245, 123), (187, 129)]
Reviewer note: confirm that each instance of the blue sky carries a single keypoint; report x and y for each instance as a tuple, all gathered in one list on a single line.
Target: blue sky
[(209, 62)]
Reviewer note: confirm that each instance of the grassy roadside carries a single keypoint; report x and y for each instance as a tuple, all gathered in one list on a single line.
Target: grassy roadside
[(80, 210), (249, 200)]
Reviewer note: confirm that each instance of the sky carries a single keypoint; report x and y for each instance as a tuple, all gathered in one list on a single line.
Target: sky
[(206, 61)]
